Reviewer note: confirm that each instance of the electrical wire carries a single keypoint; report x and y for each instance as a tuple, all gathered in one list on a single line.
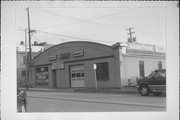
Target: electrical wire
[(147, 33), (68, 36), (82, 21), (36, 39)]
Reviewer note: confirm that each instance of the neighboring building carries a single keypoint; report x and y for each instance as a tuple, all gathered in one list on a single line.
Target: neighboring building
[(21, 66), (140, 60), (91, 65), (22, 60)]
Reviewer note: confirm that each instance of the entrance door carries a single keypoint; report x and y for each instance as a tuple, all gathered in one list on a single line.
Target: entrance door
[(77, 76), (54, 81)]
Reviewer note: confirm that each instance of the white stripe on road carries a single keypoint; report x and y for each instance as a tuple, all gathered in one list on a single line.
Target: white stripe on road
[(99, 101)]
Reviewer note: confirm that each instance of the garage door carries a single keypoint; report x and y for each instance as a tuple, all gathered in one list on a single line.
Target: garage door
[(77, 76)]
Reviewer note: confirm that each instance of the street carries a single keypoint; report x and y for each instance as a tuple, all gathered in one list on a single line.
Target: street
[(88, 102)]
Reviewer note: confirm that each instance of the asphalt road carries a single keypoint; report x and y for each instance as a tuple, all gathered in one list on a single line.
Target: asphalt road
[(87, 102)]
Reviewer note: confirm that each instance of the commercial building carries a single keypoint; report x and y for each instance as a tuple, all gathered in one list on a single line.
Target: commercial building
[(77, 64), (94, 65)]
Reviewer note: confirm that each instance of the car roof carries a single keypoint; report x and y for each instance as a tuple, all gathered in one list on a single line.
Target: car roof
[(161, 70)]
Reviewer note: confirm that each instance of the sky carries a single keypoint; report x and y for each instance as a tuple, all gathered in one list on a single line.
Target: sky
[(102, 25)]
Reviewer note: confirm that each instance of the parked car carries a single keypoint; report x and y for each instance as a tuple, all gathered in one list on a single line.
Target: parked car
[(21, 101), (155, 83)]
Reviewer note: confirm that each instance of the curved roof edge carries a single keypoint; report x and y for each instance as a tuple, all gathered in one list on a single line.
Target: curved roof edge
[(69, 43)]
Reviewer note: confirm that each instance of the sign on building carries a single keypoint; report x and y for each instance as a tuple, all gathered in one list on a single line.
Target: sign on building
[(143, 47), (52, 57), (65, 56), (57, 66), (160, 49), (78, 53)]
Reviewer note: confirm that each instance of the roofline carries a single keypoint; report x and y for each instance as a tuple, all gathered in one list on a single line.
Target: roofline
[(71, 42)]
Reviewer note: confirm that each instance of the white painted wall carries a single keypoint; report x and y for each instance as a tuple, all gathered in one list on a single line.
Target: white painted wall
[(130, 67)]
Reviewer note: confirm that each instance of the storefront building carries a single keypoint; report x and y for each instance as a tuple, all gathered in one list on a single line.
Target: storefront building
[(77, 64), (83, 64)]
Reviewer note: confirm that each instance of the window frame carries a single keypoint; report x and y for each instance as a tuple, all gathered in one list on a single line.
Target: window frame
[(141, 68), (102, 71)]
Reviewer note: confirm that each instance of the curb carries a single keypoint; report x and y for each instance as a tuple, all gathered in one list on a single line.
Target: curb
[(99, 91)]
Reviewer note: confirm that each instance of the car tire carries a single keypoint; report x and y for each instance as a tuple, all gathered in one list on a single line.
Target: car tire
[(157, 93), (144, 90)]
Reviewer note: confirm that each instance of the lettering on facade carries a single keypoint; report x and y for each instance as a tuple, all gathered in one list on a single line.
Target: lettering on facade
[(160, 49), (78, 53), (52, 57), (57, 66), (141, 47), (64, 56)]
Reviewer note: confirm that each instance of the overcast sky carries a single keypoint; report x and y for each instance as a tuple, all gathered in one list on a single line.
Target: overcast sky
[(103, 25)]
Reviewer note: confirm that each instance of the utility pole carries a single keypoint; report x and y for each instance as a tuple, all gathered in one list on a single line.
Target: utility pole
[(29, 55), (26, 54), (29, 35), (130, 39)]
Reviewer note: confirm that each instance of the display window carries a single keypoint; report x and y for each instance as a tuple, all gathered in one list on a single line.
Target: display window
[(42, 76)]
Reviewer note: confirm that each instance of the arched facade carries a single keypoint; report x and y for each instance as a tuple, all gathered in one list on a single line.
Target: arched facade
[(77, 64)]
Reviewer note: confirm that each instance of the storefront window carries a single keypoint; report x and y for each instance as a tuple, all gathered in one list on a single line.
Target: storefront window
[(102, 71), (42, 76)]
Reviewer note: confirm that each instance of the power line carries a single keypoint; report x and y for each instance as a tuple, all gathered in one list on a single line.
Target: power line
[(82, 21), (37, 39), (145, 38), (68, 36), (95, 23), (147, 33), (21, 29), (119, 27)]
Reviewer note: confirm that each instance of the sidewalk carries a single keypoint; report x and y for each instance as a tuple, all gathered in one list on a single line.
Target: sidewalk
[(124, 90)]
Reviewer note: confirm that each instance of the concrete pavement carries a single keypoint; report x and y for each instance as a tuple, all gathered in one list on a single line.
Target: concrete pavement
[(82, 101)]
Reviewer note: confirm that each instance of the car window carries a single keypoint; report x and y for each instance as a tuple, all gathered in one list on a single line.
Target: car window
[(160, 74), (163, 74), (152, 74)]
